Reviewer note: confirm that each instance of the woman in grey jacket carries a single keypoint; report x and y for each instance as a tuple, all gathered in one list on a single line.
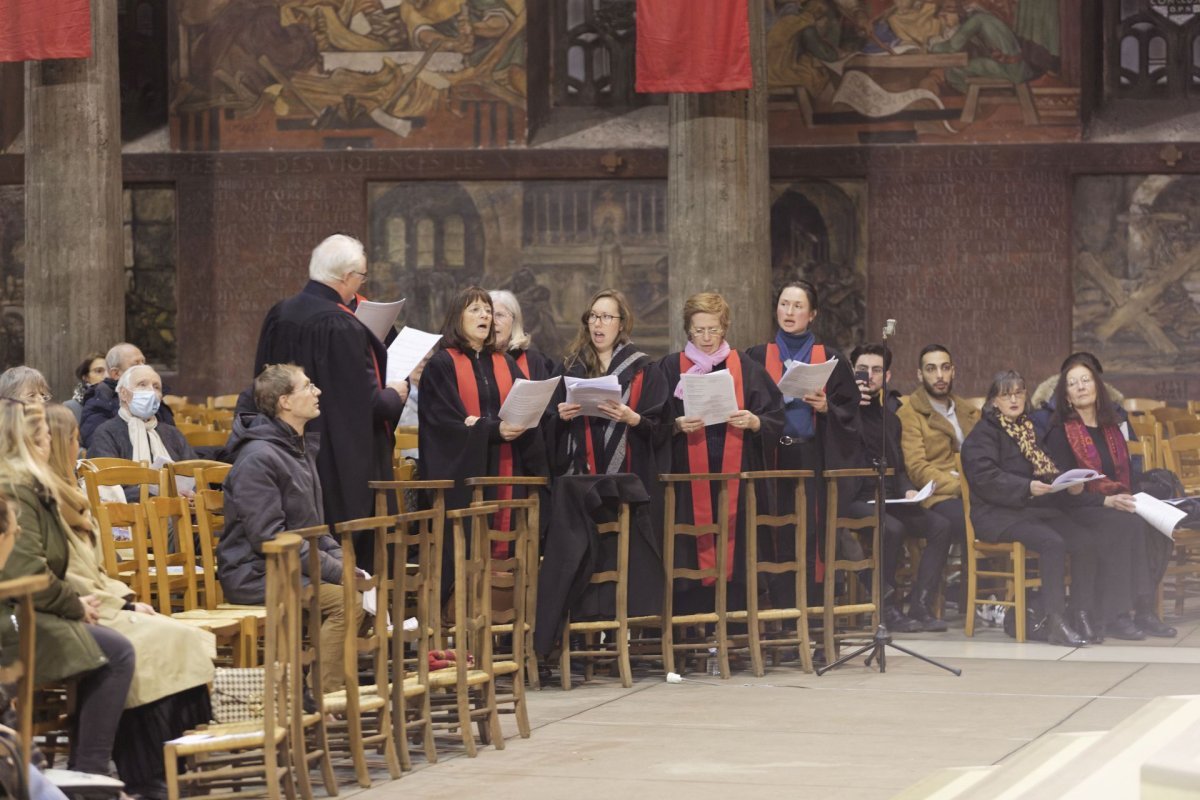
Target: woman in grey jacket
[(274, 487)]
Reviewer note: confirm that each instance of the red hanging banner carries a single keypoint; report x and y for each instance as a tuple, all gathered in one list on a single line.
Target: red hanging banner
[(693, 45), (36, 30)]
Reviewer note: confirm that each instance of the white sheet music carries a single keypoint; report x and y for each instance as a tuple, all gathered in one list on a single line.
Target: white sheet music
[(1073, 477), (1162, 516), (378, 317), (924, 494), (589, 393), (407, 350), (709, 397), (527, 401), (802, 379)]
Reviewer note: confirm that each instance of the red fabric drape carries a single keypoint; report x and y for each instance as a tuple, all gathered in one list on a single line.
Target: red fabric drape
[(693, 45), (34, 30)]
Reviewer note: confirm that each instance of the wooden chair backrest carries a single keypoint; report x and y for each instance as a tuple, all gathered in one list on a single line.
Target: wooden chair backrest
[(20, 592), (472, 623), (1145, 426), (228, 401), (779, 525), (375, 639), (1167, 413), (1177, 427), (191, 427), (126, 560), (283, 680), (190, 412), (207, 438), (186, 469), (210, 524), (128, 474), (1142, 404), (310, 599), (173, 557), (174, 402), (415, 590), (406, 438), (1182, 456)]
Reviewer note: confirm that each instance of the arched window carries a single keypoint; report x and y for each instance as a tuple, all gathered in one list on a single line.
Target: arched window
[(593, 54), (397, 240), (1153, 50), (454, 241), (426, 243)]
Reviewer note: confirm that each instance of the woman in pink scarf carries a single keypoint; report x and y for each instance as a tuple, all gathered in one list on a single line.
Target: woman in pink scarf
[(735, 444)]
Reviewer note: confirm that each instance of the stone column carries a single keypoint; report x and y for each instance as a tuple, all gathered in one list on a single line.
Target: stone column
[(718, 203), (74, 265)]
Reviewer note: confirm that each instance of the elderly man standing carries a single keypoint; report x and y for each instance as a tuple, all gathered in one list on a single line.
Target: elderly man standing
[(317, 331), (135, 432), (100, 403)]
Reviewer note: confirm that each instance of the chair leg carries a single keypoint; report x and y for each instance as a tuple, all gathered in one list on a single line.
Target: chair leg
[(428, 744), (1018, 565), (321, 734), (400, 726), (564, 657), (390, 754), (171, 765), (519, 704), (623, 664), (972, 592), (754, 640), (493, 716)]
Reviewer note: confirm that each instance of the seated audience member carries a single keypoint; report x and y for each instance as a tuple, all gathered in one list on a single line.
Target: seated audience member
[(169, 694), (25, 385), (1009, 475), (90, 372), (1044, 400), (136, 433), (274, 487), (70, 643), (1086, 433), (101, 403), (900, 521), (933, 424)]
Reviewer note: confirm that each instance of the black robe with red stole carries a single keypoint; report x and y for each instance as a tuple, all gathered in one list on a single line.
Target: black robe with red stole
[(535, 364), (316, 331), (758, 395)]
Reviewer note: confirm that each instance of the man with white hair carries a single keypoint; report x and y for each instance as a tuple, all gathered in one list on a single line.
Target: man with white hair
[(317, 331), (135, 433), (100, 403)]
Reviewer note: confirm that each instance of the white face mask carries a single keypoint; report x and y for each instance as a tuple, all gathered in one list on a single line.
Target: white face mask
[(144, 404)]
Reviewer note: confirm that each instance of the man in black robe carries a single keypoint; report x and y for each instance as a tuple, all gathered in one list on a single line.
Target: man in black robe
[(317, 331)]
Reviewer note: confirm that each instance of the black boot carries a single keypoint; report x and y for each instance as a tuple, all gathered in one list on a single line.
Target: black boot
[(1149, 622), (1124, 628), (1061, 633), (918, 610), (896, 622), (1086, 628)]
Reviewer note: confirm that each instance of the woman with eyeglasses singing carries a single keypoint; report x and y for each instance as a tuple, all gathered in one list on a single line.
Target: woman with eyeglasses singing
[(512, 338), (1009, 476), (1086, 432), (742, 442), (820, 430)]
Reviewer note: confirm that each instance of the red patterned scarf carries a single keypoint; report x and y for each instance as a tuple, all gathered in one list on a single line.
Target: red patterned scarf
[(1088, 456)]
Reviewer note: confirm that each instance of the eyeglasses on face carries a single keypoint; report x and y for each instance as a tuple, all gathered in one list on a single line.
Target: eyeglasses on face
[(705, 331), (593, 318), (1015, 394), (1079, 383), (308, 386)]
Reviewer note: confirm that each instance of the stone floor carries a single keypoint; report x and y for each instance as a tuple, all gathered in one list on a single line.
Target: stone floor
[(854, 733)]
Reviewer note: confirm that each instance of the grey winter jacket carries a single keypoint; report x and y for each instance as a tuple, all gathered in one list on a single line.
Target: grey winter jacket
[(273, 487)]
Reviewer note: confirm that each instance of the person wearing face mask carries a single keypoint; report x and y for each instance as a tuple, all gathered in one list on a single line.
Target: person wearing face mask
[(136, 433)]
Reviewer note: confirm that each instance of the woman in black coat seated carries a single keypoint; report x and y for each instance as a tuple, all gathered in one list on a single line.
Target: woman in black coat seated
[(1086, 432), (1011, 500)]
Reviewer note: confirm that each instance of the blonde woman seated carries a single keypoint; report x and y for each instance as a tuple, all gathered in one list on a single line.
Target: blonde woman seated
[(169, 693)]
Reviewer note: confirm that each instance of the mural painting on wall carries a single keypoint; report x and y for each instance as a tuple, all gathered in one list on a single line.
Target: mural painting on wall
[(150, 296), (554, 244), (945, 71), (1137, 277), (331, 74)]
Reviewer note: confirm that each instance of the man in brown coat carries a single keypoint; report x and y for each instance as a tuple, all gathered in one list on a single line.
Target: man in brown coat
[(933, 422)]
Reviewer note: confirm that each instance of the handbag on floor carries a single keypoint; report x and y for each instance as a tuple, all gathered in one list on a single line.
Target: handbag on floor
[(237, 694)]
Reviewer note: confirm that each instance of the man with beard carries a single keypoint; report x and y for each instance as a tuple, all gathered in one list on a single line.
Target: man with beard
[(933, 424)]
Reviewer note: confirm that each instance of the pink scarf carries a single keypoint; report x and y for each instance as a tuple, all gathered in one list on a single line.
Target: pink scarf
[(702, 362)]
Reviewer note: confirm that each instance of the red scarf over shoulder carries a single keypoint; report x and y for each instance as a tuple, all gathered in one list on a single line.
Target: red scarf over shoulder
[(1088, 457)]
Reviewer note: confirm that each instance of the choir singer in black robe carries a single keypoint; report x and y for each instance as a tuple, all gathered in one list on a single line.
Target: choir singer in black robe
[(317, 331), (742, 443), (462, 388)]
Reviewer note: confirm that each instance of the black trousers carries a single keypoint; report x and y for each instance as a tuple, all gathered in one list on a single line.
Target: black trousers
[(102, 694), (952, 511), (910, 521), (1052, 534)]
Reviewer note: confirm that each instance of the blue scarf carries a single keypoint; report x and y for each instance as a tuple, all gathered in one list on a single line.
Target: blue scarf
[(799, 414)]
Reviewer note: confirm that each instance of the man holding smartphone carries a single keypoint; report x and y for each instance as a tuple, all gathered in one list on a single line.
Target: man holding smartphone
[(901, 520)]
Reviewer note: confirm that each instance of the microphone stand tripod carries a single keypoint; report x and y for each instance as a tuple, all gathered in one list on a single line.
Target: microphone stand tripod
[(882, 639)]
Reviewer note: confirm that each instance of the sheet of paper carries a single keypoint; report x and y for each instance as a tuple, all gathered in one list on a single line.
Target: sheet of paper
[(709, 397), (527, 401), (407, 350), (1162, 516), (802, 379), (1073, 477), (378, 317), (591, 392), (924, 494)]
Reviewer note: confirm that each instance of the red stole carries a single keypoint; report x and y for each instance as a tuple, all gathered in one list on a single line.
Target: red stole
[(1088, 457), (774, 367), (635, 395), (468, 390), (374, 358), (523, 364), (731, 461)]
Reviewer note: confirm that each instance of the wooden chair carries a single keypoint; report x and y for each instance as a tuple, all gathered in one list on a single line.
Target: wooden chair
[(977, 402), (1150, 432), (228, 401), (795, 526), (365, 712), (1014, 578), (830, 610), (126, 560), (1178, 427), (106, 463), (207, 438), (415, 592), (174, 402), (471, 633), (190, 427), (121, 475), (1165, 414), (406, 438), (718, 617), (226, 756), (20, 592), (1181, 454), (186, 469), (1142, 405), (1193, 406), (191, 412), (529, 515)]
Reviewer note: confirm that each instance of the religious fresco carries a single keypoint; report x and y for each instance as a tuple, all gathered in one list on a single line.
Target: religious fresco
[(555, 243), (333, 74), (945, 71), (150, 294), (1137, 278)]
